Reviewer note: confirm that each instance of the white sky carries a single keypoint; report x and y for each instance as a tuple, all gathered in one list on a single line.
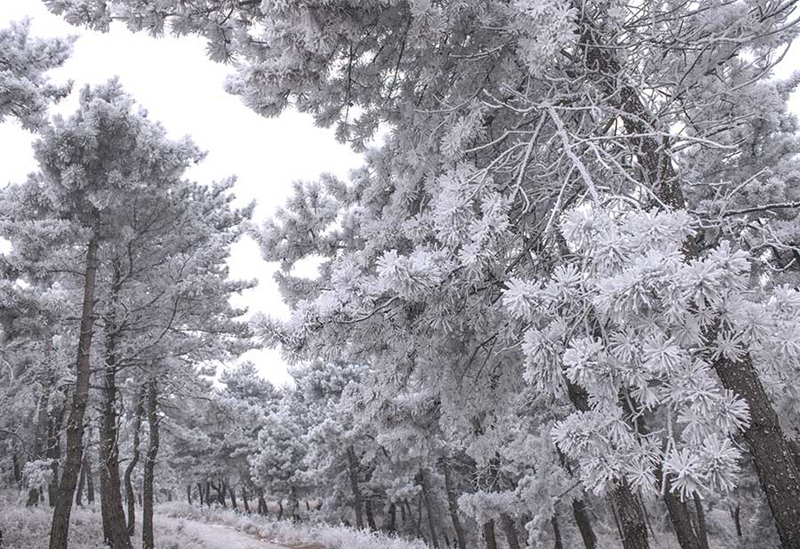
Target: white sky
[(181, 88)]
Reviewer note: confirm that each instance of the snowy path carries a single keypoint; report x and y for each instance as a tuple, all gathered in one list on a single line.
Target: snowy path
[(219, 536)]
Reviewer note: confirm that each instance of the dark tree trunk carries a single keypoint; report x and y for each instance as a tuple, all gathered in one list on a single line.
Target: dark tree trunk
[(452, 505), (352, 463), (59, 530), (81, 484), (189, 494), (584, 524), (245, 502), (17, 470), (391, 517), (510, 531), (201, 493), (735, 516), (87, 464), (137, 427), (40, 429), (280, 509), (150, 465), (263, 509), (232, 494), (54, 423), (681, 521), (702, 534), (115, 529), (489, 536), (773, 458), (428, 508), (556, 533), (370, 516)]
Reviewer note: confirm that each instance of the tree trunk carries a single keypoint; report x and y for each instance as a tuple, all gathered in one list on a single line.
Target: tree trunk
[(89, 480), (189, 494), (370, 516), (280, 509), (556, 532), (510, 531), (452, 505), (681, 520), (59, 530), (262, 504), (702, 534), (352, 462), (244, 500), (488, 534), (40, 428), (115, 529), (428, 508), (774, 461), (391, 517), (150, 465), (201, 494), (81, 484), (54, 423), (584, 524), (137, 427), (232, 494), (735, 515)]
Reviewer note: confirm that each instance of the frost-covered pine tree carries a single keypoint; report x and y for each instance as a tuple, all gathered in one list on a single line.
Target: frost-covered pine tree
[(503, 116)]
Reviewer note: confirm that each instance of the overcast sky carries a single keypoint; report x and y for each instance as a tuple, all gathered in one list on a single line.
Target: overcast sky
[(181, 88)]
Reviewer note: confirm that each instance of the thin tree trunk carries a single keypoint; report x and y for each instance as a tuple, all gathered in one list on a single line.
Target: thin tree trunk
[(59, 530), (150, 465), (702, 534), (452, 505), (189, 494), (510, 531), (584, 524), (556, 532), (681, 521), (370, 516), (489, 536), (428, 508), (200, 492), (353, 470), (391, 517), (245, 502), (232, 494), (735, 515), (89, 479), (40, 429), (115, 529), (54, 423), (81, 484), (137, 427)]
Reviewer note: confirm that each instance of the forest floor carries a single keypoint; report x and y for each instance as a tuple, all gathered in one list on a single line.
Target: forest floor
[(222, 536)]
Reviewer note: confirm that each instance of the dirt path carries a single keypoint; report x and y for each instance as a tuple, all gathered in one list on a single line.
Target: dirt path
[(219, 536)]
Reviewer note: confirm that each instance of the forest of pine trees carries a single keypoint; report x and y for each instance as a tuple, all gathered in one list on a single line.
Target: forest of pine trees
[(557, 306)]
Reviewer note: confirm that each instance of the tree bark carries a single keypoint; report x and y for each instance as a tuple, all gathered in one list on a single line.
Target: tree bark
[(244, 500), (55, 421), (702, 533), (40, 429), (736, 516), (81, 484), (370, 516), (584, 524), (352, 462), (428, 508), (773, 459), (489, 536), (59, 530), (137, 427), (452, 505), (150, 465), (232, 494), (115, 529), (510, 531), (556, 532), (391, 518)]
